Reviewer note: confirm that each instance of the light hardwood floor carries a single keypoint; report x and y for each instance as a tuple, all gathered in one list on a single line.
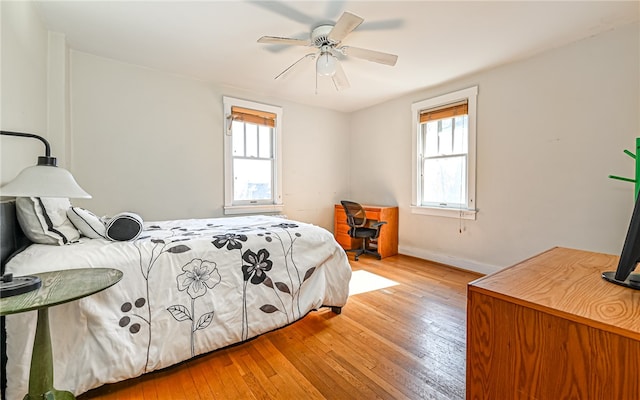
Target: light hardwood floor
[(405, 341)]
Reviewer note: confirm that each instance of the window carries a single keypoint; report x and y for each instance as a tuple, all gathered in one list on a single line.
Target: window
[(444, 141), (253, 165)]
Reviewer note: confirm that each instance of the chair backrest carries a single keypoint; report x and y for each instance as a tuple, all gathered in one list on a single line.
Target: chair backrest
[(356, 216)]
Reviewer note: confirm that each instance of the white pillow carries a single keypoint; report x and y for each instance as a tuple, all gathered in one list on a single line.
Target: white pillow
[(44, 220), (87, 223), (124, 226)]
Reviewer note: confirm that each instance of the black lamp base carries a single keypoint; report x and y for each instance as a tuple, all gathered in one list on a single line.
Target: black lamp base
[(11, 286), (633, 281)]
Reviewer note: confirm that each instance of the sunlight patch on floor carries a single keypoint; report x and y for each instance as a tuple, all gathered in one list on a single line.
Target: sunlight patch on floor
[(363, 281)]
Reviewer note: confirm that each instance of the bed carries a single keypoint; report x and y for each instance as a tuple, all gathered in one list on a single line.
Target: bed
[(188, 287)]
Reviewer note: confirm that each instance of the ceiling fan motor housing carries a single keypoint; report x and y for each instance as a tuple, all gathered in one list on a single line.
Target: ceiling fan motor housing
[(320, 36)]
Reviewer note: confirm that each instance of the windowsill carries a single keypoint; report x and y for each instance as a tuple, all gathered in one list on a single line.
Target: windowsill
[(463, 213), (253, 209)]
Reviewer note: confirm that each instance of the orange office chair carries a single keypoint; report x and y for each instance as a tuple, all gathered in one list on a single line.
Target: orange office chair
[(360, 229)]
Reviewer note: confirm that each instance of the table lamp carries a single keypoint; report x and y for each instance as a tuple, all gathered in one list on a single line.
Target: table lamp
[(45, 179)]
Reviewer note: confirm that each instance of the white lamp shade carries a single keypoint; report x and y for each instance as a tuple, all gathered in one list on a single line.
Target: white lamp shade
[(44, 181), (326, 64)]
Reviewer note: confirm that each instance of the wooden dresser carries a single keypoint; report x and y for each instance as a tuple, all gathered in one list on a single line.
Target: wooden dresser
[(551, 328), (387, 242)]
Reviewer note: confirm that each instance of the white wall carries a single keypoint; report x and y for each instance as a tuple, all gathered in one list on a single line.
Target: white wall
[(151, 142), (550, 131), (23, 80)]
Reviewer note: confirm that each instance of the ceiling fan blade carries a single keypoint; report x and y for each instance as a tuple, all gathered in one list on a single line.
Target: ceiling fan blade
[(281, 40), (370, 55), (290, 67), (347, 23), (279, 47), (340, 78), (382, 25)]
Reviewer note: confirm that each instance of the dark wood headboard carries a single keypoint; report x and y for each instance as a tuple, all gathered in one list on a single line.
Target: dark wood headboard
[(12, 239)]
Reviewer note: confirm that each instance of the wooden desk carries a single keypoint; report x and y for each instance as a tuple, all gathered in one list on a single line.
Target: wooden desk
[(387, 241), (551, 328)]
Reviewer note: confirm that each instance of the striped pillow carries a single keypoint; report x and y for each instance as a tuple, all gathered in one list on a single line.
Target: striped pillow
[(87, 223), (44, 220)]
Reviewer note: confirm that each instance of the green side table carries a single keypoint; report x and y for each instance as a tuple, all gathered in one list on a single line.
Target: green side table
[(58, 287)]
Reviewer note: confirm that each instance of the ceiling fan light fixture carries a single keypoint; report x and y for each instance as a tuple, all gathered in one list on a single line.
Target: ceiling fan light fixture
[(326, 64), (327, 42)]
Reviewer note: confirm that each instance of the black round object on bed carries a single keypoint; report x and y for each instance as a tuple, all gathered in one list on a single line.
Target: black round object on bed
[(124, 226), (11, 286)]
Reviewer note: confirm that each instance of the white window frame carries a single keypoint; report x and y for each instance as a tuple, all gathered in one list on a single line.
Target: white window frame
[(468, 212), (231, 208)]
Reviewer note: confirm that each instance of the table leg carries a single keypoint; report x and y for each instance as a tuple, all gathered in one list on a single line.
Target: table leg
[(41, 374)]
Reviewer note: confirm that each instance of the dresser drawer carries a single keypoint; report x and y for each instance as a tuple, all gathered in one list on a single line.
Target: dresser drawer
[(341, 228), (373, 214)]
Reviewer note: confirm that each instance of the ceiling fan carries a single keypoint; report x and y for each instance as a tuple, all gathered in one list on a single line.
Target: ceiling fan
[(327, 39)]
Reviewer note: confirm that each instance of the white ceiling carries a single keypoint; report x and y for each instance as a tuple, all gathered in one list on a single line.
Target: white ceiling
[(215, 41)]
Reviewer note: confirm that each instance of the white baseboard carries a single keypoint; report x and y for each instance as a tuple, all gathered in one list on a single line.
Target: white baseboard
[(462, 263)]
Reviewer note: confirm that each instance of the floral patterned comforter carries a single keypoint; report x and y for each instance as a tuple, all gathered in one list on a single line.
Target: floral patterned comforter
[(189, 287)]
